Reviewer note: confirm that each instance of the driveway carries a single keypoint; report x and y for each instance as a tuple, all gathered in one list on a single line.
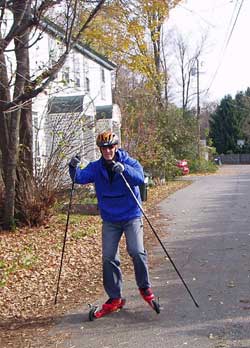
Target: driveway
[(208, 237)]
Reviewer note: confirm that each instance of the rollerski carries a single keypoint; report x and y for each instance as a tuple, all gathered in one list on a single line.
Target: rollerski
[(112, 305), (149, 297)]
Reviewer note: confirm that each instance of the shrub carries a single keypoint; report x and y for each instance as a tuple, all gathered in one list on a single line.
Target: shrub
[(202, 166)]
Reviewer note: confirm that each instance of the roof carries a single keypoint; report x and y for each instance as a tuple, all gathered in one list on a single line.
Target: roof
[(55, 30), (65, 104), (74, 104), (104, 112)]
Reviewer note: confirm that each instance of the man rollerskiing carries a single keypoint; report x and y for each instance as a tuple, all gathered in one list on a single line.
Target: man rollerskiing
[(120, 214)]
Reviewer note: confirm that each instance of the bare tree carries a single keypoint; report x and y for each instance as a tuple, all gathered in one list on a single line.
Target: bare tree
[(187, 65), (18, 89)]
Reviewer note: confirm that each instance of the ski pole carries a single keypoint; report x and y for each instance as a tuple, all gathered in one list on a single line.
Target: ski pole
[(159, 240), (64, 240)]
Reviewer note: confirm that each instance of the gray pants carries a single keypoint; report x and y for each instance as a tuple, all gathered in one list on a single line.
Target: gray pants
[(111, 235)]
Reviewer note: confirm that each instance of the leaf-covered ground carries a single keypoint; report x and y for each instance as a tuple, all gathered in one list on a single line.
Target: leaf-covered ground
[(29, 265)]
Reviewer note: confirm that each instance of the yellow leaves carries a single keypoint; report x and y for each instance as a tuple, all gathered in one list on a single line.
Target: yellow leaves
[(155, 36), (135, 28), (28, 296), (141, 63), (119, 30), (126, 44), (129, 34), (160, 8)]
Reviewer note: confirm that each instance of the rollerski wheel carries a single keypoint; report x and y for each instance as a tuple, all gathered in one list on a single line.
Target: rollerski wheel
[(108, 307), (156, 306), (149, 297), (93, 310)]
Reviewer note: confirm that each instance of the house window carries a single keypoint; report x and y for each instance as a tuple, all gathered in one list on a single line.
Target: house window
[(86, 66), (77, 72), (65, 74), (53, 62), (77, 81), (102, 75), (87, 84), (86, 74)]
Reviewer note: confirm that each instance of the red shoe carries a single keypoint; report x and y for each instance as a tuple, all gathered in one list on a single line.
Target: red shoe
[(112, 305), (149, 297), (147, 294)]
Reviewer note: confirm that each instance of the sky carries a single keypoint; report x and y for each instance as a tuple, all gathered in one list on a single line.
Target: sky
[(225, 61)]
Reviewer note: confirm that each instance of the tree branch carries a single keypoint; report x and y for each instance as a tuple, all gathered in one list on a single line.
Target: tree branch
[(42, 81)]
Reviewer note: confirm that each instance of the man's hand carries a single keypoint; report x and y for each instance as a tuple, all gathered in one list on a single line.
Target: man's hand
[(75, 161), (118, 167)]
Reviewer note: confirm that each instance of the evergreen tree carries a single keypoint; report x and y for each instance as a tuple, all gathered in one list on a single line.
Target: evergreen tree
[(244, 106), (225, 125)]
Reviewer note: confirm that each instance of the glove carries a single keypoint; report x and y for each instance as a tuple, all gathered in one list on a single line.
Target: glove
[(75, 161), (118, 168)]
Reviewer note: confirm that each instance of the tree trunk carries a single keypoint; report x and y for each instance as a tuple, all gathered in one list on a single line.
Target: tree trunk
[(5, 97), (15, 104), (4, 144), (11, 125), (26, 131), (26, 139), (10, 164)]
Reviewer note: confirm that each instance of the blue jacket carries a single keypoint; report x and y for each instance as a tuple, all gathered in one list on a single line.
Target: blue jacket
[(115, 201)]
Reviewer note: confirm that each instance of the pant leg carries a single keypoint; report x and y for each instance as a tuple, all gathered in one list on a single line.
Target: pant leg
[(112, 275), (135, 246)]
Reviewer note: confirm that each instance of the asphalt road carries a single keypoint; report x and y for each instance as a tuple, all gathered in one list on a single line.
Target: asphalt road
[(208, 238)]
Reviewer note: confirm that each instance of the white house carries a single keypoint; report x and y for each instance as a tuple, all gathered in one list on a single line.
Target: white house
[(78, 104)]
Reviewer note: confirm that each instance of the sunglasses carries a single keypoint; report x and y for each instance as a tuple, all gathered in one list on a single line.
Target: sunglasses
[(110, 147)]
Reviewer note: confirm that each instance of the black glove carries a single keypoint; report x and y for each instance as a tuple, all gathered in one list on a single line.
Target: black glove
[(75, 161), (118, 167)]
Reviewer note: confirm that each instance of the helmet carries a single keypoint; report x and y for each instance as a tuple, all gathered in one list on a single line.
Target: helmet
[(106, 138)]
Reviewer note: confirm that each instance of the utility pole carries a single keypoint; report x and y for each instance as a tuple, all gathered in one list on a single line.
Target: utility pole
[(198, 106)]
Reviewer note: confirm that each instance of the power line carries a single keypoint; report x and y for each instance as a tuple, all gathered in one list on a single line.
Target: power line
[(227, 41), (231, 32), (197, 14)]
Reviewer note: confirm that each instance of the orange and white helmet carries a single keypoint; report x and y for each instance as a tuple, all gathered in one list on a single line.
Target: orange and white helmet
[(106, 138)]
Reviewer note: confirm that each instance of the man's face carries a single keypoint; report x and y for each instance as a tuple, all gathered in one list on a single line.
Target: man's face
[(108, 152)]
